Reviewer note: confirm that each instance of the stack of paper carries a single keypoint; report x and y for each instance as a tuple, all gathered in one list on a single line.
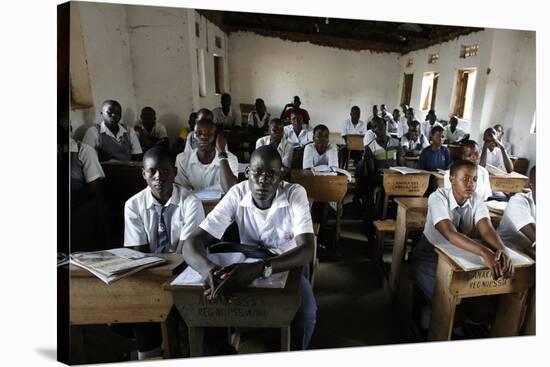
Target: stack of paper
[(208, 194), (405, 170), (497, 207)]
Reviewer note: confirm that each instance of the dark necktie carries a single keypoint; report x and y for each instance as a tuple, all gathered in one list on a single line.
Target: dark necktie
[(163, 239), (460, 210)]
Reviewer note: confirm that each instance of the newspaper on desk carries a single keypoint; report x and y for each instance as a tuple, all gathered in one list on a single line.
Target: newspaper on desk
[(405, 170), (190, 277), (470, 261)]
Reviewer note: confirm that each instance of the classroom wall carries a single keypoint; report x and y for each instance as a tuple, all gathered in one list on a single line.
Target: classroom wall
[(505, 84), (329, 81)]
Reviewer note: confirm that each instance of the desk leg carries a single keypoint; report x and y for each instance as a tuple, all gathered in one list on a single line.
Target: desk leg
[(285, 339), (531, 317), (170, 335), (510, 314), (196, 341), (443, 305), (338, 219), (398, 249)]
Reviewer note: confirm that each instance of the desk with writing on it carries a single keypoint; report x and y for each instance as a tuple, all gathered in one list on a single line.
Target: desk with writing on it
[(138, 298), (454, 284), (411, 213), (250, 307), (397, 184), (509, 183)]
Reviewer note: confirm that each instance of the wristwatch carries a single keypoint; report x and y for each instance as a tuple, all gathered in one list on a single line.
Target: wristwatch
[(267, 270)]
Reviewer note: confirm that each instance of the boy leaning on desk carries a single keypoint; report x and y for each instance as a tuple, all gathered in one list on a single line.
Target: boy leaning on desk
[(456, 215)]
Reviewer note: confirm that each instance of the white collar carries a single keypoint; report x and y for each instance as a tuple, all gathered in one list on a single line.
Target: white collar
[(279, 201), (194, 159), (104, 130), (151, 202), (453, 204)]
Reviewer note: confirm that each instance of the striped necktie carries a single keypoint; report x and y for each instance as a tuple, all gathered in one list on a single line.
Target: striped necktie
[(163, 239)]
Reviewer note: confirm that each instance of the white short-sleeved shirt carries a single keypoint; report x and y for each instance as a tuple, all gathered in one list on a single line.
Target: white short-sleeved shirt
[(442, 205), (158, 131), (284, 148), (483, 185), (519, 212), (233, 118), (184, 212), (195, 176), (288, 217), (305, 136), (426, 128), (495, 158), (402, 127), (369, 137), (348, 128), (92, 137), (312, 158), (421, 139), (91, 168), (262, 122), (457, 136)]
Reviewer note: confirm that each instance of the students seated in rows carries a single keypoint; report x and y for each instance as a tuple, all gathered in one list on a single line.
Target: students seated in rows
[(112, 139), (518, 226), (493, 152), (298, 133), (352, 126), (202, 114), (436, 156), (470, 152), (429, 124), (149, 131), (500, 136), (159, 219), (454, 134), (295, 105), (413, 142), (209, 166), (181, 140), (321, 152), (259, 118), (226, 115), (276, 138), (274, 221), (455, 216)]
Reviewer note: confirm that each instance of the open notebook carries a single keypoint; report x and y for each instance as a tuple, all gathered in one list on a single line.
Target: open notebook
[(190, 277)]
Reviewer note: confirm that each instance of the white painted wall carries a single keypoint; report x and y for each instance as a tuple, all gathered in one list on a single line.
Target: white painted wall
[(329, 81)]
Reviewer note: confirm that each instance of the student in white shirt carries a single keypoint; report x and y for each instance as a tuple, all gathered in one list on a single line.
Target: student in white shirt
[(259, 118), (112, 139), (500, 136), (470, 152), (210, 165), (191, 142), (429, 124), (226, 115), (321, 152), (149, 131), (400, 122), (277, 139), (297, 133), (518, 227), (413, 142), (273, 218), (352, 126), (454, 215), (371, 118), (454, 134), (493, 152)]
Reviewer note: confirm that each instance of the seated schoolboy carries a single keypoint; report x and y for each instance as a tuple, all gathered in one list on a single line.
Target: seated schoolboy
[(294, 105), (259, 118), (159, 219), (371, 118), (518, 226), (210, 165), (149, 131), (401, 120), (203, 113), (429, 124), (226, 116), (500, 136), (321, 152), (470, 152), (413, 142), (273, 218), (276, 138), (112, 139), (454, 134), (436, 156), (454, 216), (493, 152), (297, 133), (181, 140), (352, 126)]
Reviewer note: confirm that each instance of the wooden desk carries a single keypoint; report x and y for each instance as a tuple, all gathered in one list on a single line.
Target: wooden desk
[(454, 284), (323, 189), (251, 307), (509, 183), (398, 184), (138, 298), (410, 161)]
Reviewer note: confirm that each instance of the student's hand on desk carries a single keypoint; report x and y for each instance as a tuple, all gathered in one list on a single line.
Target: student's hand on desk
[(492, 263), (211, 282), (236, 276), (505, 264)]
